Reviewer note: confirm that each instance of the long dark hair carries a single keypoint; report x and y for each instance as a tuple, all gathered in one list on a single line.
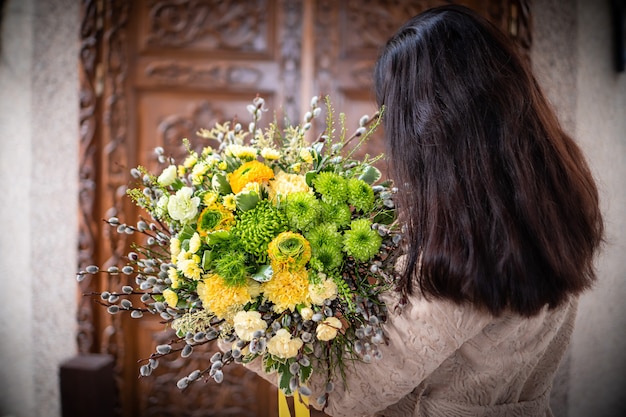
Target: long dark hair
[(500, 206)]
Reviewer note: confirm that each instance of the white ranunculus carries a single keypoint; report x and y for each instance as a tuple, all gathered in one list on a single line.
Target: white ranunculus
[(246, 323), (283, 346), (168, 176), (327, 330), (182, 206)]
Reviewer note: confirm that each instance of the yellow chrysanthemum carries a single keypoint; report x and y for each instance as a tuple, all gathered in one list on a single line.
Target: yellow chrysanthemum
[(171, 298), (210, 198), (198, 173), (191, 160), (270, 154), (245, 153), (230, 202), (253, 171), (287, 289), (284, 184), (306, 156), (221, 299)]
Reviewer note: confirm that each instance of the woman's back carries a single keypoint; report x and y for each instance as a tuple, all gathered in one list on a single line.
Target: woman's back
[(445, 359)]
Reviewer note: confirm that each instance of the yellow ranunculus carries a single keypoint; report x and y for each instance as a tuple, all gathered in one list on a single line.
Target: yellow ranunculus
[(289, 250), (252, 171)]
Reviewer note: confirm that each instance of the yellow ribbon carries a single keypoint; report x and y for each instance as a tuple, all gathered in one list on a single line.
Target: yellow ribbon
[(300, 405)]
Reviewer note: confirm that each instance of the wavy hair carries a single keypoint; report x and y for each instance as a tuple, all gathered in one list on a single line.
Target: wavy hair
[(500, 206)]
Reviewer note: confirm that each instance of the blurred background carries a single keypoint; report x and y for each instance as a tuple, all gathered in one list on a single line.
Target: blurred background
[(89, 88)]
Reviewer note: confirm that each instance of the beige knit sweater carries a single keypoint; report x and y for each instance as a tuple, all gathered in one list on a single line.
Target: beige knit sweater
[(444, 359)]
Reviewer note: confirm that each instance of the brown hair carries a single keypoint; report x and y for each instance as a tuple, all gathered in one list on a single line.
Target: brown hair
[(499, 203)]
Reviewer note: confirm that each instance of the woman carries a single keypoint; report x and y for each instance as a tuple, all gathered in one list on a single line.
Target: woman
[(502, 225)]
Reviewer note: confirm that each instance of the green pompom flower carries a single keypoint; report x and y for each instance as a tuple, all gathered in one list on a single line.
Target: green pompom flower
[(302, 210), (329, 256), (325, 234), (360, 195), (338, 214), (257, 227), (332, 187), (360, 241), (233, 268)]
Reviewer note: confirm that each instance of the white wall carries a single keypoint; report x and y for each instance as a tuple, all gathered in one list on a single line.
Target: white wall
[(39, 186), (598, 372)]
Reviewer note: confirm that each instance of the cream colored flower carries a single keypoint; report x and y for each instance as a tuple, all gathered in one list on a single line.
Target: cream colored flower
[(327, 329), (246, 323), (198, 172), (283, 346), (172, 274), (194, 243), (306, 313), (190, 268), (325, 290), (182, 206), (171, 298), (168, 176), (284, 184), (174, 249)]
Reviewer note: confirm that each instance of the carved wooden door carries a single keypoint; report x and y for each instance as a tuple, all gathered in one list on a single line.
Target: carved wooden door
[(153, 72)]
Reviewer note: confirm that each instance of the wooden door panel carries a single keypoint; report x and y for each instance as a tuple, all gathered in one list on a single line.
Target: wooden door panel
[(154, 72)]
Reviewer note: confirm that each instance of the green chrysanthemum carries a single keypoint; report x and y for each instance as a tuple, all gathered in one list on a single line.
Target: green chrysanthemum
[(360, 241), (325, 234), (360, 195), (232, 267), (330, 257), (338, 214), (302, 210), (257, 227), (333, 187)]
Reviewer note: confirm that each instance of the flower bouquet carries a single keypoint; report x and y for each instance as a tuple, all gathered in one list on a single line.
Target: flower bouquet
[(275, 245)]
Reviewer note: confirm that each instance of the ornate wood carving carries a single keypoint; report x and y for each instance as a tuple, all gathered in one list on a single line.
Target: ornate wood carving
[(216, 75), (87, 235), (290, 39), (211, 24)]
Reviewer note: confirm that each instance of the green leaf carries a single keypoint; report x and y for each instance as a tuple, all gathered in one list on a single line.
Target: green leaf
[(305, 373), (220, 184), (370, 174), (247, 201), (186, 233), (284, 376), (264, 273), (309, 177), (217, 237)]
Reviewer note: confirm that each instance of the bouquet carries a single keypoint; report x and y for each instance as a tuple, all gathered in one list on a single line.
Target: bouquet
[(275, 245)]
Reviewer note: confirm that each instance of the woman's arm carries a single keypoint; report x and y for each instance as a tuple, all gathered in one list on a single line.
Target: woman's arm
[(420, 338)]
